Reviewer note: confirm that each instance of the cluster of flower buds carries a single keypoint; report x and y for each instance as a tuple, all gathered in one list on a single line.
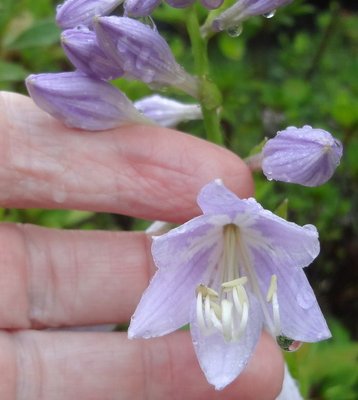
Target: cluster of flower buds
[(103, 48)]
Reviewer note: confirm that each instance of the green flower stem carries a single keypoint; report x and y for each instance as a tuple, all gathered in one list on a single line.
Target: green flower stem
[(209, 95)]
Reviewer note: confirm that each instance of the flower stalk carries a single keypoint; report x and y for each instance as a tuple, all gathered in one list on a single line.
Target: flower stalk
[(209, 95)]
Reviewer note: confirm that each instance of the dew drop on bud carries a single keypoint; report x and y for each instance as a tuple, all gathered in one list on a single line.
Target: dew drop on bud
[(269, 14), (234, 31), (288, 344)]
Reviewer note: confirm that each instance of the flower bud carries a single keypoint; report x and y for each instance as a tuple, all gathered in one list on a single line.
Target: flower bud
[(167, 112), (142, 53), (81, 48), (180, 3), (82, 102), (305, 156), (243, 9), (81, 12), (140, 8), (212, 4)]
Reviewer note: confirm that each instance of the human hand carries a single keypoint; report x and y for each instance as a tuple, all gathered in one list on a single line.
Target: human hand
[(53, 278)]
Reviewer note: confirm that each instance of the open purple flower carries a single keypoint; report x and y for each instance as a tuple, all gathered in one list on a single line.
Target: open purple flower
[(231, 272), (306, 156)]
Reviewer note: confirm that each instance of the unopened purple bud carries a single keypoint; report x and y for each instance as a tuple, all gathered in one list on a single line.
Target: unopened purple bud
[(142, 53), (301, 155), (180, 3), (243, 9), (81, 48), (212, 4), (167, 112), (140, 8), (81, 12), (82, 102)]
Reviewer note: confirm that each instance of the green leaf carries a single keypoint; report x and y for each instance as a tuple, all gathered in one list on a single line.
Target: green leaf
[(44, 33), (12, 72)]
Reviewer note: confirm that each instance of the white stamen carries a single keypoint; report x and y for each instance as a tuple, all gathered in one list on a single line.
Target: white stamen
[(242, 294), (228, 310), (272, 289), (237, 301), (272, 297), (199, 312), (235, 282), (244, 320), (207, 312), (226, 319), (216, 321)]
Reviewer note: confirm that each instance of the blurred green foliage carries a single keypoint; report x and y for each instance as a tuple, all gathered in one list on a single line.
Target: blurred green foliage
[(297, 68)]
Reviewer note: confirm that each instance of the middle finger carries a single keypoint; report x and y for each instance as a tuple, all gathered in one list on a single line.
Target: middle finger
[(53, 278)]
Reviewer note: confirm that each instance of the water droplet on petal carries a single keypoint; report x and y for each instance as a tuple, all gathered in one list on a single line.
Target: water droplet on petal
[(269, 14), (234, 31), (288, 344)]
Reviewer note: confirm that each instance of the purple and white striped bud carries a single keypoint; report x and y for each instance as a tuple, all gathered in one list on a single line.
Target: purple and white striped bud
[(142, 53), (81, 12), (167, 112), (82, 102), (140, 8), (81, 48), (212, 4), (306, 156), (180, 3), (243, 9)]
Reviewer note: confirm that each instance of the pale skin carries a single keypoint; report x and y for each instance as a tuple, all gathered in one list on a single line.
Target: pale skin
[(54, 278)]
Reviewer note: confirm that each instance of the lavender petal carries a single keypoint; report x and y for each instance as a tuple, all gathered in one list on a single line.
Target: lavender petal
[(165, 305), (215, 198), (300, 315), (223, 361), (285, 243)]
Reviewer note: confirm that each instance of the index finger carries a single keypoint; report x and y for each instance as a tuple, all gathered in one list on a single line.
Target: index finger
[(143, 171)]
